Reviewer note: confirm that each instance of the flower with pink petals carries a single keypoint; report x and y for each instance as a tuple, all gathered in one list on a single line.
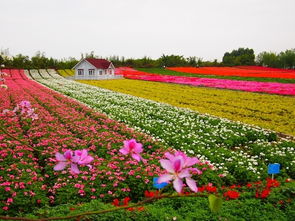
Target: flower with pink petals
[(84, 158), (178, 167), (132, 148), (66, 159), (78, 157)]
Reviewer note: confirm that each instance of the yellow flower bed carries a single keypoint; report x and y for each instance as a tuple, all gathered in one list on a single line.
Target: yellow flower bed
[(272, 112), (63, 73), (70, 72)]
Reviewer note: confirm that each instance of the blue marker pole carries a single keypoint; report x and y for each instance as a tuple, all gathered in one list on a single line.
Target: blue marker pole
[(273, 169)]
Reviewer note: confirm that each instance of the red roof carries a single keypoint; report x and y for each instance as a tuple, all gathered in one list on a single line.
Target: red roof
[(99, 63)]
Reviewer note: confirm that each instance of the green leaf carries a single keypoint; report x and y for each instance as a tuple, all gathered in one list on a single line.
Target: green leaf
[(214, 203)]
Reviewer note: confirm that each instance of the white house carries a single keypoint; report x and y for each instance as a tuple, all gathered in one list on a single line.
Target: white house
[(95, 69)]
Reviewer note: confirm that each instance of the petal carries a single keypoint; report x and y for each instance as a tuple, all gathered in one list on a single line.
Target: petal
[(74, 168), (136, 157), (60, 157), (75, 159), (165, 178), (177, 164), (167, 165), (124, 151), (128, 142), (169, 156), (191, 184), (78, 152), (191, 161), (177, 184), (87, 160), (184, 173), (138, 148), (84, 153), (60, 166), (68, 154)]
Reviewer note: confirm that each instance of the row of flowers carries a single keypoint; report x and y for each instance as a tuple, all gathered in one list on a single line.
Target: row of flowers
[(39, 123), (248, 71), (212, 138), (250, 86), (267, 111), (44, 131)]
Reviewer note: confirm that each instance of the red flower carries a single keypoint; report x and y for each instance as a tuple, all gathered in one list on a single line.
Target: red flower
[(201, 189), (231, 194), (125, 201), (249, 185), (264, 194), (211, 189), (116, 202), (149, 194), (272, 183)]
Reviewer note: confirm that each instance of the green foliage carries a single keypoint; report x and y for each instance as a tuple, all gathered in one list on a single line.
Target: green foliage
[(284, 59), (179, 209), (215, 203), (242, 56)]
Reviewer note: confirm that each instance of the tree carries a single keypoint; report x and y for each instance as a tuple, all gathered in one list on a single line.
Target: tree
[(268, 59), (242, 56), (172, 61)]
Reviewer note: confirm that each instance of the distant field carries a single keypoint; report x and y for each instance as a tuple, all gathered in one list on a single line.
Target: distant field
[(163, 71), (268, 111), (241, 71)]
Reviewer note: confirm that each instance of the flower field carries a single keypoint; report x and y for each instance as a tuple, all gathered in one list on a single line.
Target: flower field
[(267, 111), (251, 86), (27, 175), (103, 150), (165, 71), (210, 137), (242, 71)]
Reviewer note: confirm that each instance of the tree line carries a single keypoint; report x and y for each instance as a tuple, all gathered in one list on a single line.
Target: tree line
[(241, 56)]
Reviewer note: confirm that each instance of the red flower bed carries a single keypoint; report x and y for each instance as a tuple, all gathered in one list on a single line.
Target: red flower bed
[(251, 86), (238, 71)]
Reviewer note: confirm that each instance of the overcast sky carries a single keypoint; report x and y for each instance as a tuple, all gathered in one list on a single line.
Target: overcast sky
[(137, 28)]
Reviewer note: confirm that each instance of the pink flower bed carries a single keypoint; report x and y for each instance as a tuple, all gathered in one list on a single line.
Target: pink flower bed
[(27, 175), (251, 86)]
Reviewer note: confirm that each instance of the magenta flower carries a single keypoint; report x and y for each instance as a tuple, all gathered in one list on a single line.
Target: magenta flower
[(177, 168), (84, 158), (78, 157), (67, 159), (133, 148), (25, 110)]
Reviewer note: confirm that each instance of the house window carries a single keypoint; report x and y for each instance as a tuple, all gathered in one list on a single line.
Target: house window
[(91, 71), (100, 72), (80, 71)]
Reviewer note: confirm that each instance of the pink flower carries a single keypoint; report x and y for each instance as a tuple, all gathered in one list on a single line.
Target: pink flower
[(25, 110), (67, 159), (133, 148), (78, 157), (84, 158), (178, 168)]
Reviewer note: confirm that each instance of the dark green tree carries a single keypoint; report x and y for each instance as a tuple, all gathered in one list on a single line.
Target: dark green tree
[(242, 56)]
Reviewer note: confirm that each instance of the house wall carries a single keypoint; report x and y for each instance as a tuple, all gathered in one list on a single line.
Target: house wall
[(98, 73)]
